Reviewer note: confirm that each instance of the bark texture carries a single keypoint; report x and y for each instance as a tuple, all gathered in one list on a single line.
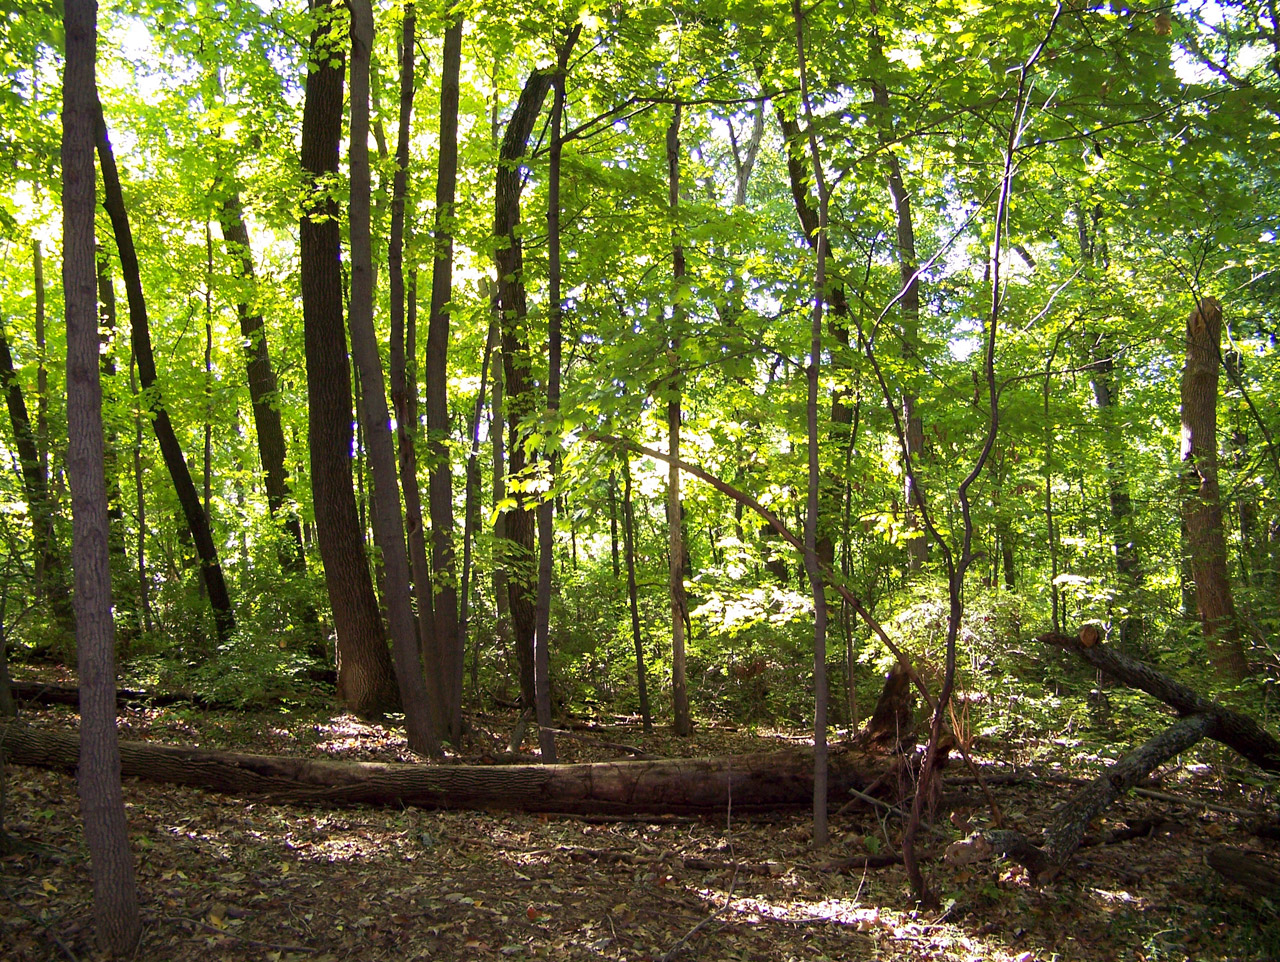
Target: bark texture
[(115, 901), (366, 683), (1201, 507)]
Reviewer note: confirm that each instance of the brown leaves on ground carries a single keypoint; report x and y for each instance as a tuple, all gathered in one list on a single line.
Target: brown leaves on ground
[(226, 878)]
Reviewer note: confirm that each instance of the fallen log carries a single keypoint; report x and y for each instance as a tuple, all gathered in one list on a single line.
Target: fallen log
[(1239, 732), (1064, 837), (1256, 876), (691, 786)]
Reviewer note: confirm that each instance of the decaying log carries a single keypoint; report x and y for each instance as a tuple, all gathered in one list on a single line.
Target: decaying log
[(697, 786), (1254, 875), (1064, 837), (1238, 732), (48, 693)]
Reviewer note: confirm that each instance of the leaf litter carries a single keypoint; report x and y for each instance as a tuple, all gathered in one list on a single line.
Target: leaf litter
[(227, 878)]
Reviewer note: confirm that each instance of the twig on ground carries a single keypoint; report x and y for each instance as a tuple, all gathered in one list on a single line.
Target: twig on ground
[(276, 946)]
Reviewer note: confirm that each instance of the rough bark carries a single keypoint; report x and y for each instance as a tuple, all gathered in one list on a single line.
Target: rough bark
[(115, 901), (366, 683), (679, 785), (1201, 508), (445, 584), (1238, 732), (262, 384), (682, 721), (518, 522), (388, 523)]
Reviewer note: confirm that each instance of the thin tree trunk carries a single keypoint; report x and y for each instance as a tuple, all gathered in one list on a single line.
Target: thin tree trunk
[(262, 384), (675, 521), (144, 593), (546, 510), (115, 900), (366, 682), (471, 508), (917, 544), (821, 835), (1201, 508), (404, 391), (170, 447), (208, 372), (388, 523), (35, 488), (629, 549), (445, 587), (518, 522)]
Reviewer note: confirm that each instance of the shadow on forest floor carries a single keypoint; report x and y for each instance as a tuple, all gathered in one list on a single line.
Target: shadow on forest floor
[(231, 878)]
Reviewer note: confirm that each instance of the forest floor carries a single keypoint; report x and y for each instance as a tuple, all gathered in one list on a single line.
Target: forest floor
[(226, 878)]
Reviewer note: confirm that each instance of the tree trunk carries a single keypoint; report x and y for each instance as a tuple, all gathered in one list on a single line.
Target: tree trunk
[(629, 549), (445, 585), (388, 523), (366, 683), (404, 389), (115, 900), (262, 384), (35, 488), (547, 508), (812, 564), (471, 507), (917, 544), (1201, 509), (170, 447), (696, 786), (518, 522), (683, 724)]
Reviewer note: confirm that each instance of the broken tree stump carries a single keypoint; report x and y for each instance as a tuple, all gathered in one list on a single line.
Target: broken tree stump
[(690, 786)]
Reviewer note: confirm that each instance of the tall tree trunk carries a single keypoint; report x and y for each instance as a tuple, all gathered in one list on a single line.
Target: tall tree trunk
[(140, 501), (471, 507), (917, 544), (821, 835), (547, 508), (115, 900), (675, 521), (170, 447), (633, 601), (388, 524), (262, 384), (366, 682), (1201, 509), (404, 390), (518, 522), (46, 554), (444, 587), (207, 462)]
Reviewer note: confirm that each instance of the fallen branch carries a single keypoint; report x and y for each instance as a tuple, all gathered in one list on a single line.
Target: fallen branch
[(1238, 732)]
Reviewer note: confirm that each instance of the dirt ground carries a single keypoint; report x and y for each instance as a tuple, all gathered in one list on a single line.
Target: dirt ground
[(231, 878)]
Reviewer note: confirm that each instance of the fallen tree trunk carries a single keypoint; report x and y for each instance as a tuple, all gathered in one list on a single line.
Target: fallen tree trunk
[(698, 786), (1238, 732), (1064, 837)]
